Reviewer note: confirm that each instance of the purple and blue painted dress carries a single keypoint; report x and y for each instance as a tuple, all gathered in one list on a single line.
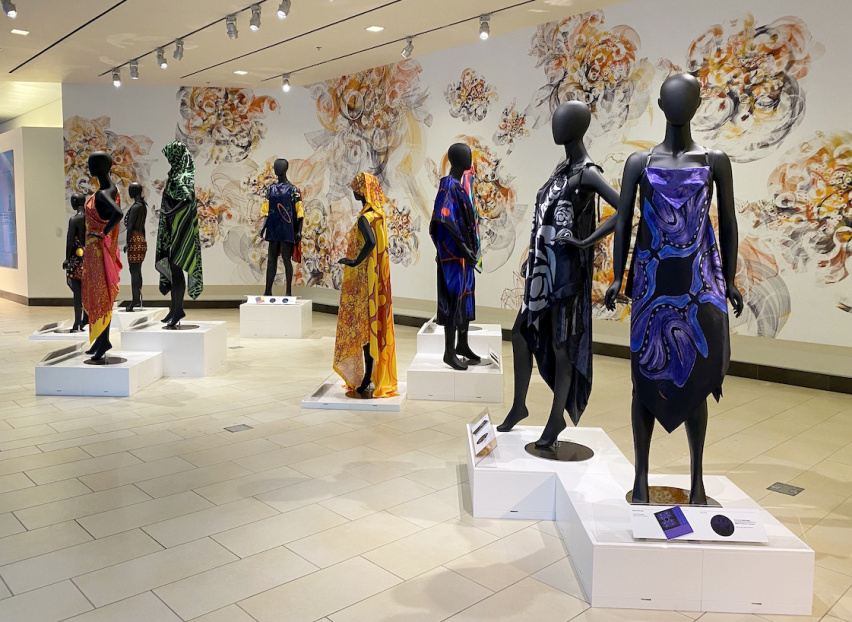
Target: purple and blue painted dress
[(453, 225), (679, 340)]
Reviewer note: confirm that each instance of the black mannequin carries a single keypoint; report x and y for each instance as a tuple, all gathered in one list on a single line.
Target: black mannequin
[(108, 210), (680, 98), (369, 244), (134, 222), (284, 249), (569, 125), (456, 336), (75, 240)]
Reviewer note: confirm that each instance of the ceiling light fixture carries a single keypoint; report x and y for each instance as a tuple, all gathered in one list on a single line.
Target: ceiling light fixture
[(178, 55), (375, 28), (409, 48), (10, 9), (484, 26), (134, 70), (231, 25), (285, 83), (284, 9), (116, 77), (240, 72), (16, 31), (254, 22), (161, 58)]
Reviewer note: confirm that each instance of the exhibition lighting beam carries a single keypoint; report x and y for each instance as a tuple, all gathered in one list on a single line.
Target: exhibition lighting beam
[(10, 9), (484, 26), (408, 50), (178, 55), (284, 9), (161, 59), (254, 23), (285, 83), (116, 78), (231, 25), (134, 70)]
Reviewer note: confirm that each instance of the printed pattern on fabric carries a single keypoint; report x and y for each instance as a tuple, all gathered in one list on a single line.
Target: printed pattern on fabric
[(137, 248), (74, 264), (283, 207), (101, 270)]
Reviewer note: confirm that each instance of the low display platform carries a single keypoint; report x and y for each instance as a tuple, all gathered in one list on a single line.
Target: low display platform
[(194, 352), (123, 319), (124, 374), (59, 331), (429, 378), (430, 339), (587, 501), (331, 395), (285, 318)]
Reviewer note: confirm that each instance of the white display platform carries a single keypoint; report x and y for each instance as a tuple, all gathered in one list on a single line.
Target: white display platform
[(186, 353), (588, 502), (73, 376), (48, 332), (276, 321), (331, 395), (430, 339), (429, 378), (122, 319)]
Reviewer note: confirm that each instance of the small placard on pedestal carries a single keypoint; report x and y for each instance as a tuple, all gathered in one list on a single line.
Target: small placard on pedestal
[(276, 318), (59, 331), (186, 353), (122, 319), (123, 374)]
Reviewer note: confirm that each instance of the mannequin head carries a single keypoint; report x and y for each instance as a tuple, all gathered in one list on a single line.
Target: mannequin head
[(570, 122), (135, 190), (461, 159), (680, 97), (99, 164), (360, 198), (78, 201), (281, 167)]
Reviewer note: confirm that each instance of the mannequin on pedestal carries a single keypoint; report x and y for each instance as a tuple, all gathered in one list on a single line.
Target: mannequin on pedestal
[(136, 247), (178, 237), (101, 261), (555, 320), (453, 230), (679, 281), (75, 241), (282, 227)]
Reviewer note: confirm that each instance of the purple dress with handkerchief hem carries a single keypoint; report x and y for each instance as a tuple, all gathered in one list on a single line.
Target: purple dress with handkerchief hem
[(679, 340)]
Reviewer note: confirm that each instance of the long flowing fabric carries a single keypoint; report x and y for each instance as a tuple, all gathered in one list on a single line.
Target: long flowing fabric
[(366, 308), (467, 180), (101, 270), (679, 339), (178, 236)]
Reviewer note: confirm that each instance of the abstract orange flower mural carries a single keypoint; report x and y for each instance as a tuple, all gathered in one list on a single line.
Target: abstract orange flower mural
[(471, 97), (512, 127)]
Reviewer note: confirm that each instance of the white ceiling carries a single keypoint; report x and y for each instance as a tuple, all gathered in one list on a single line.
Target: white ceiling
[(315, 34)]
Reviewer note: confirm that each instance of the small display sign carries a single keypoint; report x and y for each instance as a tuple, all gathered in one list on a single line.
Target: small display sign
[(692, 522), (272, 300), (483, 436)]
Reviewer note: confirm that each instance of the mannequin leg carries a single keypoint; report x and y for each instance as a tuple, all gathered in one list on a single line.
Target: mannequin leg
[(643, 429), (523, 364), (102, 345), (564, 371), (696, 432), (178, 289), (450, 357), (463, 347), (368, 370), (287, 258), (135, 285), (77, 290), (271, 266)]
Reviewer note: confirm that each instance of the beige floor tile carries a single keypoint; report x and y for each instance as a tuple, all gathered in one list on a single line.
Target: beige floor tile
[(801, 451), (4, 592), (14, 481), (350, 539), (29, 497), (142, 608), (360, 503), (138, 472), (563, 577), (139, 575), (829, 588), (85, 440), (80, 506), (309, 598), (400, 465), (231, 613), (526, 600), (410, 442), (283, 457), (430, 548), (189, 480), (309, 434), (210, 521), (49, 604), (214, 589), (313, 491), (20, 546), (128, 443), (37, 572), (9, 454), (638, 615), (357, 438), (143, 514), (337, 462), (176, 448), (59, 472), (228, 452), (251, 485), (9, 525), (434, 508), (501, 527), (842, 609), (39, 460), (278, 530), (431, 597)]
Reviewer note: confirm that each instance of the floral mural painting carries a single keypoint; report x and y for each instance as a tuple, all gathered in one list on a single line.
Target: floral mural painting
[(471, 97), (130, 155), (220, 124), (512, 127), (751, 83), (765, 294), (583, 60)]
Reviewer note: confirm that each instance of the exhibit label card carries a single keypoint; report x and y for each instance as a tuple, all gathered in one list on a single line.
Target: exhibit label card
[(697, 523), (483, 436)]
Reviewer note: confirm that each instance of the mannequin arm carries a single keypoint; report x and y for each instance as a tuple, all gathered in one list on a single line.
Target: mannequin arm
[(369, 244), (298, 229), (624, 221), (70, 246), (608, 194), (728, 230), (115, 212)]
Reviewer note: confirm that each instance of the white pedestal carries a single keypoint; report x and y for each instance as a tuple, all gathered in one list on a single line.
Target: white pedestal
[(276, 321), (587, 500), (186, 353), (49, 332), (429, 378), (331, 395), (430, 339), (122, 320), (74, 377)]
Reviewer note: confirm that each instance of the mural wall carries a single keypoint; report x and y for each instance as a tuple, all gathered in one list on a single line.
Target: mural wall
[(774, 100)]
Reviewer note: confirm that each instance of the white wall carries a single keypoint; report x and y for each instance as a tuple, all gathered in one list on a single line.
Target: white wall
[(48, 115)]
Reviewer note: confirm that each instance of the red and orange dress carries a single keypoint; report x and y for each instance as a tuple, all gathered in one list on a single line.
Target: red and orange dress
[(101, 270)]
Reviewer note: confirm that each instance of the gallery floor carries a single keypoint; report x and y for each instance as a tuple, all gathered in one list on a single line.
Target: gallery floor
[(145, 508)]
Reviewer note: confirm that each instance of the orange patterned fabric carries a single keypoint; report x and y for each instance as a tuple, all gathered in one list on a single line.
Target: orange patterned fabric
[(366, 309), (101, 268)]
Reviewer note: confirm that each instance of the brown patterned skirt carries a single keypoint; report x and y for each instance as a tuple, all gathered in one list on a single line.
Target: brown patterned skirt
[(137, 247)]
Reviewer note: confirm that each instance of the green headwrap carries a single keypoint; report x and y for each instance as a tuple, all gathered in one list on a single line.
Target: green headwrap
[(181, 181)]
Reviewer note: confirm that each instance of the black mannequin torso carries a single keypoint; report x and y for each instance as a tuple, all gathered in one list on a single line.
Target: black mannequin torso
[(136, 245), (282, 249), (134, 220), (75, 240)]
